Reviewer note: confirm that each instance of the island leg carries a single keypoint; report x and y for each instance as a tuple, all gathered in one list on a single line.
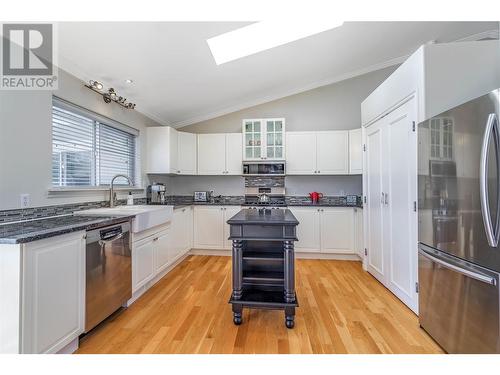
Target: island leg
[(290, 316), (237, 269), (237, 314), (289, 272)]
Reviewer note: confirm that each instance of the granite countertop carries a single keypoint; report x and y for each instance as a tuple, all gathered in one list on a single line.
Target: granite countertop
[(322, 204), (264, 217), (28, 231)]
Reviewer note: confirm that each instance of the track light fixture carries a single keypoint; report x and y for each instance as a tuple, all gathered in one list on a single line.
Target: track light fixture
[(110, 95)]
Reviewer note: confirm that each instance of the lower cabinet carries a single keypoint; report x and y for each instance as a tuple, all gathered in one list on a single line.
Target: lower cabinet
[(143, 267), (53, 293), (358, 218), (211, 231), (326, 229)]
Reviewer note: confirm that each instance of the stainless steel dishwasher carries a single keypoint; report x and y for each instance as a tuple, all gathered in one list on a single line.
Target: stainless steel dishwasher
[(108, 272)]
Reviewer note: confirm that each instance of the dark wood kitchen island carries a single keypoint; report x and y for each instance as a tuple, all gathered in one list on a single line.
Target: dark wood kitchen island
[(263, 261)]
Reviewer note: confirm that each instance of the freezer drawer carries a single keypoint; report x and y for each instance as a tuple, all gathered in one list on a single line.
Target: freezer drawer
[(458, 303)]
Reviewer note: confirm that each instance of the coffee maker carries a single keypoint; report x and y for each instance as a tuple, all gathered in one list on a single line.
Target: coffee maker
[(156, 193)]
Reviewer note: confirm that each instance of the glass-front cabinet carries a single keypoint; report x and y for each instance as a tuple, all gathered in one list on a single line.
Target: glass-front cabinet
[(264, 139)]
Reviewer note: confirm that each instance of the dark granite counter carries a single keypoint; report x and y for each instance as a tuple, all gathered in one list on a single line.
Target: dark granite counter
[(264, 217), (28, 231)]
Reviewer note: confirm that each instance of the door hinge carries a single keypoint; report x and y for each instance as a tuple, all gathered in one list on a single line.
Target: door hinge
[(366, 251), (416, 287), (415, 206), (364, 147), (413, 125), (364, 198)]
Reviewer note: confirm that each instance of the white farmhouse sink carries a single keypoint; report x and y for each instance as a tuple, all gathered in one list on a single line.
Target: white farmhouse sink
[(145, 216)]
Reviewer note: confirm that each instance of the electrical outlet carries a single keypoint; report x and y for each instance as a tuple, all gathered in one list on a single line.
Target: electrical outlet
[(25, 200), (342, 193)]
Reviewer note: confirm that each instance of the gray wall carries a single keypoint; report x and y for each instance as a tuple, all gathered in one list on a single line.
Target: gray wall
[(234, 185), (332, 107), (25, 141)]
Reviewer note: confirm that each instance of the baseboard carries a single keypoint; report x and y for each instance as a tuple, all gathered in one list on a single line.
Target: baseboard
[(70, 348), (327, 256), (221, 252)]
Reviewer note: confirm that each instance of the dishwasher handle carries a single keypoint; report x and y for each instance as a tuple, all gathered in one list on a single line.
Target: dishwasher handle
[(112, 239), (474, 275)]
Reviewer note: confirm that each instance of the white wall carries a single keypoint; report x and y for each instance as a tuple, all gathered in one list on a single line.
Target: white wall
[(25, 141), (331, 107)]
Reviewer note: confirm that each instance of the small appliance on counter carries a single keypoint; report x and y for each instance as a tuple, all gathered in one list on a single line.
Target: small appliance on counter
[(201, 196), (156, 193), (315, 196)]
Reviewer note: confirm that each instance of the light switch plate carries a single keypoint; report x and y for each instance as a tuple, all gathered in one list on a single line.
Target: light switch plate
[(25, 200)]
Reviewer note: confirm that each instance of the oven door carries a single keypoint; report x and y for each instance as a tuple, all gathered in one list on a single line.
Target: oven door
[(264, 169), (458, 303)]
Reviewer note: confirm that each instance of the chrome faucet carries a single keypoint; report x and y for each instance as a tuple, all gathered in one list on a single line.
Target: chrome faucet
[(112, 194)]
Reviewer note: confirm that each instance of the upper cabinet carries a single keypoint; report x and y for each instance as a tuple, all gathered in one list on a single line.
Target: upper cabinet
[(318, 153), (169, 151), (186, 151), (355, 152), (219, 154), (161, 155), (264, 139)]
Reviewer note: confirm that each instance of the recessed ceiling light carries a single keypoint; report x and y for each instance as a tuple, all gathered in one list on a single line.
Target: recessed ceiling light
[(129, 81), (264, 35)]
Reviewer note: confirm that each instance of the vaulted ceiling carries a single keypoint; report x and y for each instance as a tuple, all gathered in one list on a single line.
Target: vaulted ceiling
[(176, 81)]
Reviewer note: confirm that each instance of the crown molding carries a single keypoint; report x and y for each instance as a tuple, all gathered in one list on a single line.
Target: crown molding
[(488, 34)]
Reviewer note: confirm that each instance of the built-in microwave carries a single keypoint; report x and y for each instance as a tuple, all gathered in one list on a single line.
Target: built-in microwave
[(264, 168)]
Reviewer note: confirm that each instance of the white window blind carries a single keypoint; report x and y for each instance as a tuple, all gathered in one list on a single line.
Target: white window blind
[(87, 151)]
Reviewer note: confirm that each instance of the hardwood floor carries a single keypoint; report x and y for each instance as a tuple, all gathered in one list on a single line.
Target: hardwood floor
[(342, 310)]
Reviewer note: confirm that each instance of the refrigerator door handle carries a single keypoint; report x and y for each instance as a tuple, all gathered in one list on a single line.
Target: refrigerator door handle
[(491, 128), (474, 275)]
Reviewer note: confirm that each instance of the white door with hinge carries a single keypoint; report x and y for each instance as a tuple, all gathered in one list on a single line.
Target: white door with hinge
[(337, 230), (211, 154), (401, 196), (186, 153), (308, 230), (208, 227), (53, 293), (375, 260), (233, 154), (301, 153), (332, 155)]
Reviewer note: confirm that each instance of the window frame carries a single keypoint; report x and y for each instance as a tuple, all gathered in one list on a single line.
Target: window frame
[(98, 120)]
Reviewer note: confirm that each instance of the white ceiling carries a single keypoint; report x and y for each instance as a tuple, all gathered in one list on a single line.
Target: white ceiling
[(177, 82)]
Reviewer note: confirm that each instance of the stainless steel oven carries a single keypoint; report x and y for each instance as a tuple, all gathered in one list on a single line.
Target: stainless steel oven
[(265, 168)]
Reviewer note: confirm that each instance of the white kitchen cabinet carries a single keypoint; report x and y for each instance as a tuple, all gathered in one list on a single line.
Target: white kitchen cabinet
[(233, 154), (143, 262), (211, 231), (332, 155), (182, 232), (315, 153), (162, 150), (358, 228), (219, 154), (186, 153), (263, 139), (208, 227), (301, 155), (53, 293), (162, 245), (229, 212), (355, 152), (337, 230), (308, 231)]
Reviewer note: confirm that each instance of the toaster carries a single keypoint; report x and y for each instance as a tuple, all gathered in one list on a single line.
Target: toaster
[(201, 196)]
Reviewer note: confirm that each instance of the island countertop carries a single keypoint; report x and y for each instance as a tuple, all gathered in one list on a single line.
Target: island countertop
[(264, 217)]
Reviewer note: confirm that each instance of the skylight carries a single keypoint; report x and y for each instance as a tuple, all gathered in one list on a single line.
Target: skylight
[(264, 35)]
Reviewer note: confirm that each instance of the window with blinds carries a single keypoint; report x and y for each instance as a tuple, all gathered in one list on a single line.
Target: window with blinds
[(87, 151)]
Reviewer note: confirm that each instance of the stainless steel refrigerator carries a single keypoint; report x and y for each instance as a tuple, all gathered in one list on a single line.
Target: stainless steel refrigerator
[(459, 226)]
